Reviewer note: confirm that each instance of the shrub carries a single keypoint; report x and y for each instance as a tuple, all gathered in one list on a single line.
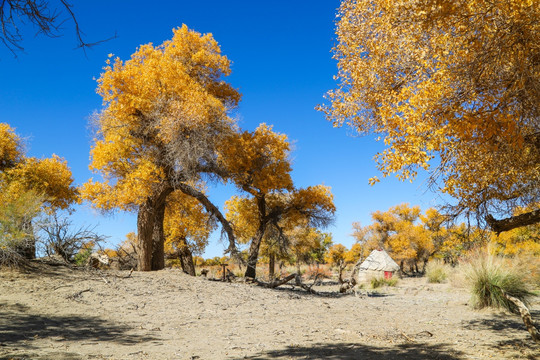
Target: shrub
[(59, 236), (437, 272), (490, 276), (81, 258), (16, 230), (380, 281)]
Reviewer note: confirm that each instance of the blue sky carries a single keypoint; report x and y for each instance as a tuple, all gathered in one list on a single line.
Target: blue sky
[(282, 64)]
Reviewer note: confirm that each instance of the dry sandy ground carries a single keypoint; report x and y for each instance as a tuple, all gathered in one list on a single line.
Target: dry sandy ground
[(58, 313)]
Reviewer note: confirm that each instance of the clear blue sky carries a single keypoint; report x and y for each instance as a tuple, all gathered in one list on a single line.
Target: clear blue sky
[(282, 64)]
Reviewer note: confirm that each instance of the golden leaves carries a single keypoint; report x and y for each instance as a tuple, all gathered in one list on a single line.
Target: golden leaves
[(259, 160), (456, 79), (49, 178), (165, 108)]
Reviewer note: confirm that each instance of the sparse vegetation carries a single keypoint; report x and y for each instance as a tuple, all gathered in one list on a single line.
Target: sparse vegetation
[(16, 232), (490, 277), (380, 282), (437, 272)]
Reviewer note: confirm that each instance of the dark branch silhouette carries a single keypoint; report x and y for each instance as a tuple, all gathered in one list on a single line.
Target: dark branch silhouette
[(14, 14)]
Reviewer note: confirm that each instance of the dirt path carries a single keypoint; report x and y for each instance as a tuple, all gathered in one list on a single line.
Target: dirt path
[(58, 313)]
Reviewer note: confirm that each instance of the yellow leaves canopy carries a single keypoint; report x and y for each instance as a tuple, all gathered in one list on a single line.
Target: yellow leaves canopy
[(258, 161), (165, 112), (454, 79), (49, 178)]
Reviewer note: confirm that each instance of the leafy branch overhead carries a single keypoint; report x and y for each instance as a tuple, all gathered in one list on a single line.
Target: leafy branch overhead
[(452, 87)]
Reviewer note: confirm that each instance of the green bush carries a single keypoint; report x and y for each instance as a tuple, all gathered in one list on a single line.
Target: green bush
[(489, 276), (378, 282), (81, 258), (437, 272)]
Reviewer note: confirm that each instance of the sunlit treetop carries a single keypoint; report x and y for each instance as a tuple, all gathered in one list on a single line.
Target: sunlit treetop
[(258, 161), (165, 111), (49, 178), (10, 147)]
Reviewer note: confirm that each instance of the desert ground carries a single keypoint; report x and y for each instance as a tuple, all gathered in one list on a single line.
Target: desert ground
[(55, 312)]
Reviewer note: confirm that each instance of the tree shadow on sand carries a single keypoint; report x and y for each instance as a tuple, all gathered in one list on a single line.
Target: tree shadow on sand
[(509, 326), (20, 328), (350, 351)]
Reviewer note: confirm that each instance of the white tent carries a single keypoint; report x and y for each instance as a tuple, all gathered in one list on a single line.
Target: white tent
[(378, 264)]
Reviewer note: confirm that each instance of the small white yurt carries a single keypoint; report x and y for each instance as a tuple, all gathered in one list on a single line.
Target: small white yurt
[(377, 265)]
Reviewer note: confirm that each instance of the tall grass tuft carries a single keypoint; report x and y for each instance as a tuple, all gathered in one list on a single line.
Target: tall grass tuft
[(489, 276), (437, 272)]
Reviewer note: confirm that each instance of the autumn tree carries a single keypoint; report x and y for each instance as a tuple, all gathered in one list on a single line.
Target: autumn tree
[(258, 163), (336, 255), (289, 223), (451, 87), (165, 114), (307, 244), (47, 182)]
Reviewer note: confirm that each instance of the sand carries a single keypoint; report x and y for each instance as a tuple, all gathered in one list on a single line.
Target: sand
[(56, 312)]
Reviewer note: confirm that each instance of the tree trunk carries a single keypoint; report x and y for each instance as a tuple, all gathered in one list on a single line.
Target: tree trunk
[(145, 230), (271, 266), (158, 239), (29, 250), (251, 271), (525, 316), (150, 227), (186, 258), (257, 240)]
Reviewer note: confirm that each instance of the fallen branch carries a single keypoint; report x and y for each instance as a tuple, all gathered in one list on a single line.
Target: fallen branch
[(275, 283), (77, 294), (525, 315), (298, 282)]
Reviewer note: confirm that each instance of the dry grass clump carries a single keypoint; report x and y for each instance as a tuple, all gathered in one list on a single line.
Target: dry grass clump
[(490, 277), (437, 272)]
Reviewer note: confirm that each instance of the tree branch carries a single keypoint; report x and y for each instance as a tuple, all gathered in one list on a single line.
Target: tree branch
[(211, 208), (513, 222)]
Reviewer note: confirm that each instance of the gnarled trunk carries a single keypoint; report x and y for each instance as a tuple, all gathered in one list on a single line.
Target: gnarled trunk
[(150, 230), (271, 266), (253, 255), (499, 226), (145, 230), (158, 239), (186, 260), (211, 208), (257, 240)]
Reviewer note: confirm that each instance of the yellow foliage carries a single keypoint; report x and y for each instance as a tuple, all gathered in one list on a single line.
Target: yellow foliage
[(49, 178), (521, 241), (10, 147), (165, 109), (242, 213), (456, 79), (355, 253), (336, 254), (186, 224), (258, 161)]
